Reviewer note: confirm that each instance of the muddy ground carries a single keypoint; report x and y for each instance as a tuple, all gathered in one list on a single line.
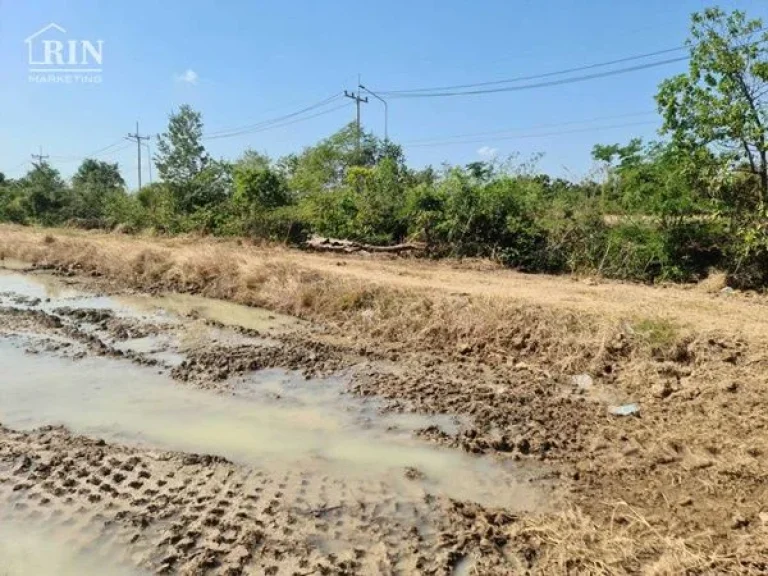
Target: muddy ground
[(486, 435), (243, 509)]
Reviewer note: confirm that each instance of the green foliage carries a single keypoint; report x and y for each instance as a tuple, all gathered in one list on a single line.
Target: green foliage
[(723, 99), (46, 195), (195, 180), (13, 206), (259, 188), (659, 211), (94, 186)]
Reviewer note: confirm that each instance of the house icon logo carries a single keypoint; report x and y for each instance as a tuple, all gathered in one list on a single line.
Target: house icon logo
[(53, 57)]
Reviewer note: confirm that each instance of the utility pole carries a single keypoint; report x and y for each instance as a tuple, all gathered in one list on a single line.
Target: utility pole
[(149, 161), (138, 138), (40, 157), (356, 97), (386, 110)]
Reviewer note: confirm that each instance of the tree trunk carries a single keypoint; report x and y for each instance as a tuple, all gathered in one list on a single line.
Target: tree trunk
[(764, 178)]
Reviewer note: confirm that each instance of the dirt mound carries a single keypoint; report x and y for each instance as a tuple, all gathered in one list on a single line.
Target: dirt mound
[(217, 363)]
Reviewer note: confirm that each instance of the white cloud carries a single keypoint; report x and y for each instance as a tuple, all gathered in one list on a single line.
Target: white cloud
[(189, 77), (487, 152)]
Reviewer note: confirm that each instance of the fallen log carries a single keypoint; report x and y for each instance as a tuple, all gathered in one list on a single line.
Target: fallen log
[(323, 244)]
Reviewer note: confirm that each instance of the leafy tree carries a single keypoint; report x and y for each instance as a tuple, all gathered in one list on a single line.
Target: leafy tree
[(723, 99), (93, 184), (46, 194), (253, 159), (259, 188), (13, 207), (380, 198), (98, 174), (655, 179), (181, 160), (325, 165), (157, 203), (180, 153)]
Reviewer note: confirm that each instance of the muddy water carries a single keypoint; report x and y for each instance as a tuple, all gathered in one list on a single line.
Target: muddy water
[(226, 313), (284, 421), (275, 418), (27, 549)]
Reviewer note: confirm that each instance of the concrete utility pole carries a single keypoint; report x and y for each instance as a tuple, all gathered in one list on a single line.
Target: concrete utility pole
[(149, 161), (386, 110), (356, 97), (138, 138), (40, 157)]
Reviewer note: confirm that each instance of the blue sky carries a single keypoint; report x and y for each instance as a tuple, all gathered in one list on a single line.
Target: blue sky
[(241, 62)]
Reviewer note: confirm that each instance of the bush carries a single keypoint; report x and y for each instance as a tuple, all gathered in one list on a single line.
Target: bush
[(747, 255)]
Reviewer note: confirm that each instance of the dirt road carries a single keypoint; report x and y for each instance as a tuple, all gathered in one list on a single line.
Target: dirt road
[(374, 416)]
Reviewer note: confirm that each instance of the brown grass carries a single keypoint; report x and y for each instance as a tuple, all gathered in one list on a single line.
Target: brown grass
[(387, 306)]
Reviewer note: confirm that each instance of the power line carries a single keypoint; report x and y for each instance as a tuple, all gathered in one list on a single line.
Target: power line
[(237, 131), (537, 76), (528, 136), (571, 80), (278, 125), (122, 148), (460, 89), (517, 130), (20, 164), (104, 150)]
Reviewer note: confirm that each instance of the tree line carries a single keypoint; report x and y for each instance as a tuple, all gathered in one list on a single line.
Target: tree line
[(672, 209)]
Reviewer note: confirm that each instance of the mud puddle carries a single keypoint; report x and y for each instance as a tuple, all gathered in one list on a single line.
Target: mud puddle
[(48, 292), (220, 311), (271, 417), (28, 548), (280, 420)]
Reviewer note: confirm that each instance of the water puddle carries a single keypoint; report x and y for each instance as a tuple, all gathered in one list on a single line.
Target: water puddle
[(221, 311), (50, 292), (16, 265), (273, 418), (28, 549), (280, 419)]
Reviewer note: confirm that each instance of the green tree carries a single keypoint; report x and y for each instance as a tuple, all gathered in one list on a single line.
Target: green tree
[(723, 99), (93, 184), (259, 188), (46, 194), (184, 165), (13, 207), (325, 165)]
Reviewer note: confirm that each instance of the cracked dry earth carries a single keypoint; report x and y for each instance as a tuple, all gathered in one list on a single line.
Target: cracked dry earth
[(151, 435)]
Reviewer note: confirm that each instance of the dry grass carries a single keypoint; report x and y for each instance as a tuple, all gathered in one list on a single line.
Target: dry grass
[(714, 282), (401, 305), (572, 543)]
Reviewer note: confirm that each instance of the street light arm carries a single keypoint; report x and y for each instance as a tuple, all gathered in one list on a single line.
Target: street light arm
[(386, 109)]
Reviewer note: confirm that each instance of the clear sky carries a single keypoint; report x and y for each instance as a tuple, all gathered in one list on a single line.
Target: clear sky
[(244, 61)]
